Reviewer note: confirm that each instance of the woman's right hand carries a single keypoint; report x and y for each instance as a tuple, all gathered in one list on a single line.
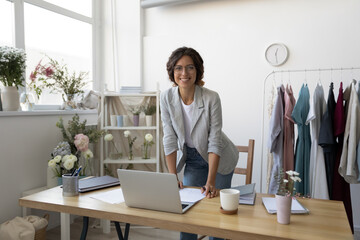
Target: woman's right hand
[(180, 184)]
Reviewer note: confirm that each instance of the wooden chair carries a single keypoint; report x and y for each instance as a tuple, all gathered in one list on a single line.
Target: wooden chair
[(249, 149)]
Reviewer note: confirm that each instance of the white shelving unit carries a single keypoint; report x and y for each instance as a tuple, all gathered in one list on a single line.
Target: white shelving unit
[(104, 159)]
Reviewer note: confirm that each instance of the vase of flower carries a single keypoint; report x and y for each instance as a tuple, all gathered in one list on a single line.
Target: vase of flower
[(146, 147), (10, 98), (283, 206), (12, 68), (131, 141), (284, 194)]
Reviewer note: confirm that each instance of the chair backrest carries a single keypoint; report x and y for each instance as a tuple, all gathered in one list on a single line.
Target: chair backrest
[(249, 149)]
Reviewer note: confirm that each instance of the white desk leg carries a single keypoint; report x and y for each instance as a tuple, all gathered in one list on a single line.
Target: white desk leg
[(65, 226), (26, 211), (105, 225)]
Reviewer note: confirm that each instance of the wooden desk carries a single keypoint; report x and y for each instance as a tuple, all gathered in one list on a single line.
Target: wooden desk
[(327, 219)]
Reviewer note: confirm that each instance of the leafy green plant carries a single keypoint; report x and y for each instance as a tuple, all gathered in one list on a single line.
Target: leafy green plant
[(12, 66), (74, 127), (149, 109)]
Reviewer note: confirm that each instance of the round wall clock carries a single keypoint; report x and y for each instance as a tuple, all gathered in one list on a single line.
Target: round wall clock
[(276, 54)]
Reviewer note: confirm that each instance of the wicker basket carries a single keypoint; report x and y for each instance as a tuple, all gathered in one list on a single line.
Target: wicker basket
[(40, 234)]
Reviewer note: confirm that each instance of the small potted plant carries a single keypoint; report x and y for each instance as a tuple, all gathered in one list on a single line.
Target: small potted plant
[(12, 68), (149, 110), (284, 195), (56, 77), (136, 114)]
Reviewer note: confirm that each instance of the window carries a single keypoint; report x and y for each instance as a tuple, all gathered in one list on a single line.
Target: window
[(60, 29), (6, 17), (60, 37)]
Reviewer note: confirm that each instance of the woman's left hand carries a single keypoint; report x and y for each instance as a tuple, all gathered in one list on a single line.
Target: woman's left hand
[(209, 190)]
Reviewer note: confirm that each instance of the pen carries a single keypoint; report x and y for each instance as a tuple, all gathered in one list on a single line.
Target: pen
[(203, 187), (73, 172), (78, 171)]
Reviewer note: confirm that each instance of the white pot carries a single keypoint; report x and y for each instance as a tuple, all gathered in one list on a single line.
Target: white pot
[(10, 99), (148, 119)]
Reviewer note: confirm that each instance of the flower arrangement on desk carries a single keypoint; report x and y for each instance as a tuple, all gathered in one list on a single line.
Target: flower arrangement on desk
[(57, 78), (286, 186), (146, 147), (284, 195), (75, 146), (131, 141)]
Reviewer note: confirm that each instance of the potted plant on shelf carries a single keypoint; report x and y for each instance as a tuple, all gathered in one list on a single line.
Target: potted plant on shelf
[(12, 68), (136, 114), (56, 77), (284, 195), (149, 110)]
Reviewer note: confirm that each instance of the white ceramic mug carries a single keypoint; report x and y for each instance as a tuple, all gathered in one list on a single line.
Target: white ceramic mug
[(229, 199)]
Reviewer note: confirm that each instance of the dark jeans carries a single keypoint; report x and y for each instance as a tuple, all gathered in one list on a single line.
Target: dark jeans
[(195, 174)]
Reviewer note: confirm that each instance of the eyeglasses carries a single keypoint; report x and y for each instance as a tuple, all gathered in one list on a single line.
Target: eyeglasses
[(179, 69)]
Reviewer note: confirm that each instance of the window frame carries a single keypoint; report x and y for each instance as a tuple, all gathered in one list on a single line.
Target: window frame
[(19, 29)]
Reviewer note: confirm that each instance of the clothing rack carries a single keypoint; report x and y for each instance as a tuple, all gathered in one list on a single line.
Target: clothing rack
[(274, 74)]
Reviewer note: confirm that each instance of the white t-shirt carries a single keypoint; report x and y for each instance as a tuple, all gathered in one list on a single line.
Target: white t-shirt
[(187, 111)]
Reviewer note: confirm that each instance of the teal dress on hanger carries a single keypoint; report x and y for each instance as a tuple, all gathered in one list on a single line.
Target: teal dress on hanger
[(303, 141)]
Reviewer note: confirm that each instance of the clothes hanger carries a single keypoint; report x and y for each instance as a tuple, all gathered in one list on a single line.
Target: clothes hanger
[(319, 80), (305, 80)]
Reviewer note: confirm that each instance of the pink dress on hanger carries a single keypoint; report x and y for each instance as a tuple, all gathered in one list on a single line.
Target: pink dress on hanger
[(289, 138)]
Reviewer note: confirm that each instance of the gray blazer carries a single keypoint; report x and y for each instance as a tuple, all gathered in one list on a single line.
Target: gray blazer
[(205, 130)]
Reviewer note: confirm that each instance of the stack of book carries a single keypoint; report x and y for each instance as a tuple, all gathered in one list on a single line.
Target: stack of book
[(247, 194), (130, 89)]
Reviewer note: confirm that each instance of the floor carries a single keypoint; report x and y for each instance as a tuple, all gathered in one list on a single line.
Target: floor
[(95, 232)]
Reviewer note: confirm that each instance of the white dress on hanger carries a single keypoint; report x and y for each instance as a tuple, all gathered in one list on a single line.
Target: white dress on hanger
[(317, 172), (348, 169)]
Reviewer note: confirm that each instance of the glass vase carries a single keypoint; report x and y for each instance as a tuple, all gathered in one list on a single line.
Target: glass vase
[(130, 156), (27, 101), (145, 151)]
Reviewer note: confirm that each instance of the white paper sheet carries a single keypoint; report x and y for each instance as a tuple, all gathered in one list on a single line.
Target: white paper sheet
[(190, 195), (113, 196)]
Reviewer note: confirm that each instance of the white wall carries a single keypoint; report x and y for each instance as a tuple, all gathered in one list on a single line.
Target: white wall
[(26, 143), (232, 37)]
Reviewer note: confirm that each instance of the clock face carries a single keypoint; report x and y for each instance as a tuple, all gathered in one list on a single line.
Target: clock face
[(276, 54)]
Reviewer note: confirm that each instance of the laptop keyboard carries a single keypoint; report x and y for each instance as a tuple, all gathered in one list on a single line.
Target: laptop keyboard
[(184, 205)]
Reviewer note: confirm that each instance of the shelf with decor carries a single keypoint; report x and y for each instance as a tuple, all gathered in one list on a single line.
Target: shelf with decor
[(107, 122)]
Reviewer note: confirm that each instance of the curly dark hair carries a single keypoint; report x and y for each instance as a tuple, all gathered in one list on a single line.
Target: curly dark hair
[(198, 63)]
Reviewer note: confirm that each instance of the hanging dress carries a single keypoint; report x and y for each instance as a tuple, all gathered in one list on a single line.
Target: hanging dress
[(317, 173), (289, 140), (276, 138), (341, 189), (303, 141), (348, 169), (327, 138)]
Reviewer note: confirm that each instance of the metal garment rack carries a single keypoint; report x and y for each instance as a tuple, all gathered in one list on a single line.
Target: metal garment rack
[(281, 73)]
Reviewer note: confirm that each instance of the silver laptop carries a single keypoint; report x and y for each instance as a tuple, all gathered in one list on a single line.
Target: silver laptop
[(151, 190)]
